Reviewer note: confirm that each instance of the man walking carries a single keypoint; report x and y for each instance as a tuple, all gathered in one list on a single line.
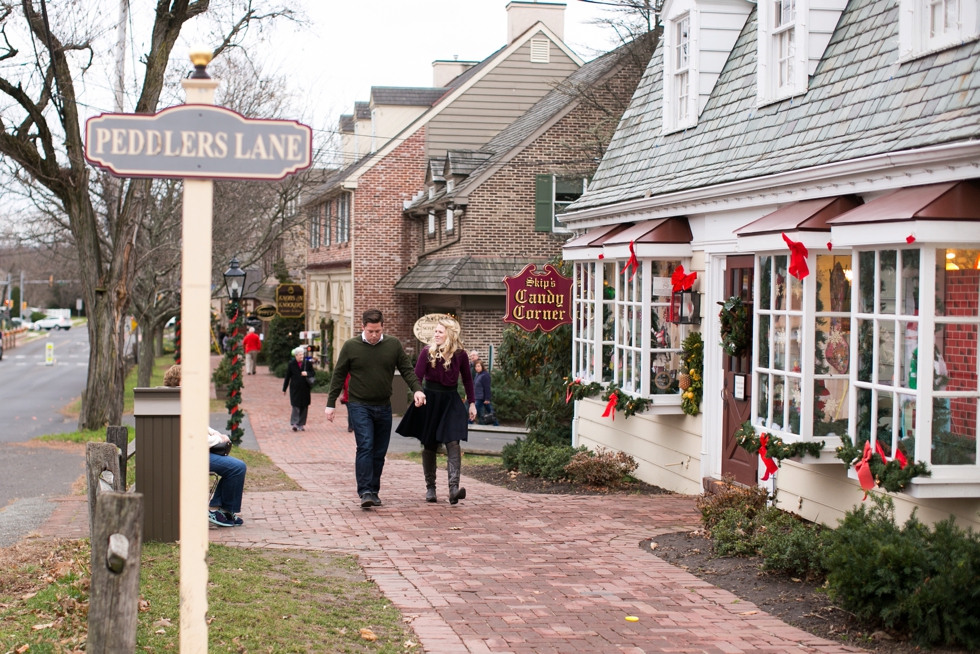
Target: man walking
[(371, 359), (252, 345)]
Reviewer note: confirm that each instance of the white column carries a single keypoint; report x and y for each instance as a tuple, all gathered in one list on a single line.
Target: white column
[(195, 315)]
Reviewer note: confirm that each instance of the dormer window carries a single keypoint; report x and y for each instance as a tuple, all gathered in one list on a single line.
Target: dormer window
[(930, 25), (783, 64), (432, 192), (680, 75), (432, 222), (450, 185)]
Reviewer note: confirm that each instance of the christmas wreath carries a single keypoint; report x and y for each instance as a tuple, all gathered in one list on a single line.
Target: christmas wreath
[(692, 381), (616, 399), (874, 468), (736, 326)]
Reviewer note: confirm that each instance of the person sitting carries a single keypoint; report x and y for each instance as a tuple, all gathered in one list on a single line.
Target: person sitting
[(226, 503)]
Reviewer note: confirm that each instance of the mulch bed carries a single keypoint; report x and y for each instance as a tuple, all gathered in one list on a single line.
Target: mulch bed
[(794, 601), (500, 476)]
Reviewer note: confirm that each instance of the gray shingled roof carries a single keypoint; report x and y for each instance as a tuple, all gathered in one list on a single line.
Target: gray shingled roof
[(464, 162), (467, 273), (347, 124), (406, 95), (861, 101), (362, 110)]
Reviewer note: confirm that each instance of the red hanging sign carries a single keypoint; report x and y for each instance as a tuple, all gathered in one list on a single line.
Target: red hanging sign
[(538, 300)]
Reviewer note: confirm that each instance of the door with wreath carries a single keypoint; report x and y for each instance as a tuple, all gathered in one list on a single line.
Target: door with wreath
[(737, 364)]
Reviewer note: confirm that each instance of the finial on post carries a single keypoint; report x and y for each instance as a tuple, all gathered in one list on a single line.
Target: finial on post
[(200, 56)]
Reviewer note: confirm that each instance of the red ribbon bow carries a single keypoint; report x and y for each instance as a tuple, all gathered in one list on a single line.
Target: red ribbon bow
[(631, 263), (611, 407), (797, 258), (568, 393), (771, 466), (899, 455), (682, 281), (863, 470)]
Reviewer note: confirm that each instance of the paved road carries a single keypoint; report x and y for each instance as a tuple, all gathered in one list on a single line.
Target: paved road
[(31, 395)]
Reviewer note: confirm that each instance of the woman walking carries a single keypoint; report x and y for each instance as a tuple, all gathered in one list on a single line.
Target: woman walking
[(442, 419), (300, 376), (482, 384)]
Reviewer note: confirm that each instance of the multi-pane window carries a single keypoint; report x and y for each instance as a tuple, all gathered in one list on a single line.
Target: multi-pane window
[(315, 226), (328, 210), (665, 335), (784, 42), (585, 310), (887, 324), (343, 218), (955, 391), (832, 345), (629, 330), (567, 191), (943, 18), (682, 63)]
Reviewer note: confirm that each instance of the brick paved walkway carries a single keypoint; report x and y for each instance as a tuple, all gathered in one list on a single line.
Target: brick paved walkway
[(502, 571)]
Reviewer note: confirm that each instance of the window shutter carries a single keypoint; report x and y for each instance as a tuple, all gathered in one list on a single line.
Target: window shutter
[(544, 202)]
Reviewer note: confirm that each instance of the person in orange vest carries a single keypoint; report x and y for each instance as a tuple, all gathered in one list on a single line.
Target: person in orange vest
[(252, 345)]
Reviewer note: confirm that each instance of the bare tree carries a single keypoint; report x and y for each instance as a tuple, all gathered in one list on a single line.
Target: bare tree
[(40, 133)]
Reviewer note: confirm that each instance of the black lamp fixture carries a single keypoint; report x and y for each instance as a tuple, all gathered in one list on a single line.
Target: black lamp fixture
[(685, 307), (234, 280)]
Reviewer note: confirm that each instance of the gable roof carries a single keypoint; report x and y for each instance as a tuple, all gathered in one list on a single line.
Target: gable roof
[(362, 110), (406, 95), (861, 102)]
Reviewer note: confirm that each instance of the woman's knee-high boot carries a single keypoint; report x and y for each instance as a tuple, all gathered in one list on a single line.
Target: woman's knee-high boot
[(454, 461), (429, 470)]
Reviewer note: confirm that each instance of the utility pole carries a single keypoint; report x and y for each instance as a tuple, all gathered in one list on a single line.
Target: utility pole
[(120, 82), (23, 296)]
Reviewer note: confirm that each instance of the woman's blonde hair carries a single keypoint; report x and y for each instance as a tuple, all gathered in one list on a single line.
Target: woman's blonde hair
[(449, 347), (172, 377)]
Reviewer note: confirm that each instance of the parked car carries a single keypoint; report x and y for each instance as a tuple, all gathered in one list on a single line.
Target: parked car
[(52, 322)]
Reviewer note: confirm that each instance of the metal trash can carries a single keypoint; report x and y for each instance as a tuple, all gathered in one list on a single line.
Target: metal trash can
[(157, 412)]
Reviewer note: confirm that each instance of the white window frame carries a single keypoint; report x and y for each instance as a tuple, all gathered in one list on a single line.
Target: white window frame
[(915, 27), (450, 222), (586, 299), (770, 87), (432, 222), (344, 217), (677, 76), (328, 223)]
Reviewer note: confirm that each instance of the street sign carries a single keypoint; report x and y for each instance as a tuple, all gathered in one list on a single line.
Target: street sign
[(266, 312), (426, 325), (538, 299), (291, 300), (197, 141), (252, 321)]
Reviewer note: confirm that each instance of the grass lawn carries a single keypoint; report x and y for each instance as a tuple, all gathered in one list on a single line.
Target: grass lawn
[(259, 601)]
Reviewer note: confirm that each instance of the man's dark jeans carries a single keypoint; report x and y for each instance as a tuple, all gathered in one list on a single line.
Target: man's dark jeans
[(372, 431)]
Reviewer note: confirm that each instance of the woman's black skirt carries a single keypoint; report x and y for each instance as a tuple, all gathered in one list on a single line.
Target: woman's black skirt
[(442, 419)]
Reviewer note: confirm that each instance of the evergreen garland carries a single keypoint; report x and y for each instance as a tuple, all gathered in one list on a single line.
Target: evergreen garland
[(236, 361), (177, 342), (576, 390), (776, 449), (692, 354), (889, 475), (628, 404), (736, 326)]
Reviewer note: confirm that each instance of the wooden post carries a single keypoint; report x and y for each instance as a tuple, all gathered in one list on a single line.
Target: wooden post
[(117, 542), (119, 436), (100, 458)]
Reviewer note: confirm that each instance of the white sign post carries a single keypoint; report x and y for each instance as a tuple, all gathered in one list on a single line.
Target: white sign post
[(197, 142)]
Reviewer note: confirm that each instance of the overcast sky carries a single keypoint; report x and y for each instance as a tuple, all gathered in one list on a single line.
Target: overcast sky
[(349, 46)]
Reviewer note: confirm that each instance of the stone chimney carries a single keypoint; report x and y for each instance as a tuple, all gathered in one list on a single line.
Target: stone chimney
[(522, 14), (446, 70)]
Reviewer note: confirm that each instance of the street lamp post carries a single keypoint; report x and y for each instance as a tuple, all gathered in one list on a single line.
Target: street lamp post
[(234, 284)]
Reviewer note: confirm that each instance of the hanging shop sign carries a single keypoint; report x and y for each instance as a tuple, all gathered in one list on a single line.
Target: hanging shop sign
[(197, 141), (426, 325), (291, 300), (539, 300), (266, 312)]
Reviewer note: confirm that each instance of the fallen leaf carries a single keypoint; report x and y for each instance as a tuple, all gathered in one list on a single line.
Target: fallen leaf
[(144, 606), (160, 631), (409, 644), (653, 546), (28, 596), (748, 612), (795, 579), (368, 635), (39, 627), (22, 649), (455, 528), (162, 622)]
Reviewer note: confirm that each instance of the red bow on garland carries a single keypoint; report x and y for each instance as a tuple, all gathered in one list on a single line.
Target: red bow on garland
[(771, 466), (899, 455), (568, 393), (682, 281), (863, 470), (797, 258), (632, 263), (611, 407)]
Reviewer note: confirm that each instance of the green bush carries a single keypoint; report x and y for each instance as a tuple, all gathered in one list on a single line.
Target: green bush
[(746, 500), (908, 577), (222, 373), (537, 460), (513, 396), (37, 315), (734, 533), (790, 545), (278, 345)]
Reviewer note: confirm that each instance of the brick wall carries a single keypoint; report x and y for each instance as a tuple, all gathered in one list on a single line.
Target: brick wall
[(385, 241), (960, 348), (325, 254), (480, 328)]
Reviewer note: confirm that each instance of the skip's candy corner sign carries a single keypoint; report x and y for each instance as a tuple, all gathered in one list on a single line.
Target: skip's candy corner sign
[(197, 141), (539, 300)]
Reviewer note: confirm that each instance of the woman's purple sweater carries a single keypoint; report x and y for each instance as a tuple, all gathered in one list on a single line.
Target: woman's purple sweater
[(440, 375)]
